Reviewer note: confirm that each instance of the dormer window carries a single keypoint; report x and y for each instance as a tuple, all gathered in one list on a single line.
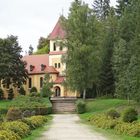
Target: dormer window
[(32, 67), (54, 47), (43, 67), (61, 48)]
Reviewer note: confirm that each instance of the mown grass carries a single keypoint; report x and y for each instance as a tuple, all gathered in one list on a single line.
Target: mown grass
[(5, 103), (38, 132), (102, 105)]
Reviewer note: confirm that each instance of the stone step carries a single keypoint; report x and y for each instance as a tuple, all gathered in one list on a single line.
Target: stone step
[(63, 105)]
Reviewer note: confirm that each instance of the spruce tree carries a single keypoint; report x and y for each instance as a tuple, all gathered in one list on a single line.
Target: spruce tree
[(101, 8), (121, 6), (106, 77), (126, 53)]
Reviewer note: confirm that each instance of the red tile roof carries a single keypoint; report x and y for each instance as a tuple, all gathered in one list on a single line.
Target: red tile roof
[(35, 61), (59, 80), (51, 69), (57, 52), (58, 32)]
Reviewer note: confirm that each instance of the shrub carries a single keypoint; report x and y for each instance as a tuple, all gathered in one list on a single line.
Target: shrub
[(33, 89), (1, 118), (131, 129), (80, 106), (1, 94), (22, 91), (112, 114), (102, 121), (22, 129), (130, 115), (34, 94), (8, 135), (10, 94), (36, 105), (14, 114), (35, 121)]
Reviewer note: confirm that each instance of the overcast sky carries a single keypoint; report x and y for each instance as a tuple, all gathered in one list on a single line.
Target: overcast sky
[(30, 19)]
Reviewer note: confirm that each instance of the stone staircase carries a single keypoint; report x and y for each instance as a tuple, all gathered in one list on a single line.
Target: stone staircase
[(63, 105)]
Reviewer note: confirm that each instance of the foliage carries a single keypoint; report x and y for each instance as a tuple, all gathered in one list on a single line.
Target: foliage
[(43, 42), (10, 94), (130, 115), (121, 6), (97, 109), (13, 114), (106, 77), (12, 68), (81, 59), (34, 94), (126, 62), (18, 127), (33, 89), (47, 85), (31, 49), (22, 91), (80, 106), (112, 113), (1, 94), (32, 105), (101, 8), (131, 129), (8, 135), (43, 50), (35, 121), (101, 121)]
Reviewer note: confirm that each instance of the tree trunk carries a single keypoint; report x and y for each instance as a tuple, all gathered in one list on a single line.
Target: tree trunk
[(128, 99), (84, 94)]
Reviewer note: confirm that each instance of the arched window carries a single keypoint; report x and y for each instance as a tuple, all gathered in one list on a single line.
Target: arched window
[(41, 82), (30, 83)]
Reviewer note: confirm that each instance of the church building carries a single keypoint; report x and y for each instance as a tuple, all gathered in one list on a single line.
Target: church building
[(39, 65)]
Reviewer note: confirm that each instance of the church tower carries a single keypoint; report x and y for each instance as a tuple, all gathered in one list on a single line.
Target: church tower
[(56, 49)]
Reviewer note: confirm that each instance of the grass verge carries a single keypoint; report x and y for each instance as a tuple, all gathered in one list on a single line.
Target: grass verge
[(101, 106)]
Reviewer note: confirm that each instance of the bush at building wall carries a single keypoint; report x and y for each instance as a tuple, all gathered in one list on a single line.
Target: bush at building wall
[(22, 91), (80, 106), (33, 89)]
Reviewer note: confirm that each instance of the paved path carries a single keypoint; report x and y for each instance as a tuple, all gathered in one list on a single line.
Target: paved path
[(68, 127)]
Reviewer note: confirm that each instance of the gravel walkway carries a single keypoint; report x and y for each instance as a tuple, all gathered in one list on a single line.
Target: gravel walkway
[(67, 127)]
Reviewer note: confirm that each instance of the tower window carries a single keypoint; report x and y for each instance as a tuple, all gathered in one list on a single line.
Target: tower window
[(61, 48), (55, 65), (54, 47), (30, 82), (59, 65)]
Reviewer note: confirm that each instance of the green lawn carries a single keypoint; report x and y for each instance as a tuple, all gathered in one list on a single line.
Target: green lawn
[(5, 104), (101, 105)]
